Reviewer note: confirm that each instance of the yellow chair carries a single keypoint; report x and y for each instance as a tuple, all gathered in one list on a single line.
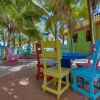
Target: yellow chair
[(52, 49)]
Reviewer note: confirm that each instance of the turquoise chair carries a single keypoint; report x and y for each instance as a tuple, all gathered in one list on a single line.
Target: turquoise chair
[(89, 75), (20, 51)]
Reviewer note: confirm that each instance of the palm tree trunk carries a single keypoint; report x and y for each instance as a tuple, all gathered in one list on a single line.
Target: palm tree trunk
[(13, 41), (71, 28), (91, 19), (8, 42), (20, 40), (55, 31), (63, 39), (72, 44), (29, 41)]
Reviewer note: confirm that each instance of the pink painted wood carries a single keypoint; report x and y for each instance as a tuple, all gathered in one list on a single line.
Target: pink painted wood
[(11, 59)]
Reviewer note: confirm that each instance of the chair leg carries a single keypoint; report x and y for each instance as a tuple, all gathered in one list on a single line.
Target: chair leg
[(91, 90), (44, 83), (99, 83), (59, 88), (74, 82), (37, 74), (67, 79)]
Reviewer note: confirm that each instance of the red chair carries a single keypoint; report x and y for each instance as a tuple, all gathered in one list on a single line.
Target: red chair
[(11, 59), (39, 73), (50, 62)]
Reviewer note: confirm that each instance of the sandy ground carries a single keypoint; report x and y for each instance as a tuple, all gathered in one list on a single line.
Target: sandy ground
[(19, 83)]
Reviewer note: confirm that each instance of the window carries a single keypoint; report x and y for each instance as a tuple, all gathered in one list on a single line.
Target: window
[(88, 35), (75, 37)]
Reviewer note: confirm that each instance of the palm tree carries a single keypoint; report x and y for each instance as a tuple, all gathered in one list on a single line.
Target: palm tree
[(2, 37), (54, 14), (74, 12), (65, 12), (18, 15)]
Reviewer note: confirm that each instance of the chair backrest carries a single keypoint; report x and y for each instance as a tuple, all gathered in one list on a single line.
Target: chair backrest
[(9, 51), (90, 57), (96, 55), (51, 49), (65, 49), (38, 52)]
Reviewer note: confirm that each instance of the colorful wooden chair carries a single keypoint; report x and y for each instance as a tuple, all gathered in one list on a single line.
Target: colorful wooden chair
[(11, 58), (39, 73), (88, 74), (56, 72)]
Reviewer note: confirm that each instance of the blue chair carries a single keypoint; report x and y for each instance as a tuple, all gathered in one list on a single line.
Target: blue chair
[(20, 51), (88, 74), (28, 51)]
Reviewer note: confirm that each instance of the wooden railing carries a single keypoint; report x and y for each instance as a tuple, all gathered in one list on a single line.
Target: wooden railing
[(84, 24)]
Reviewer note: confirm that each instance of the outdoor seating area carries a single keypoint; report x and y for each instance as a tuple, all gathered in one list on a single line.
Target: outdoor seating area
[(56, 73), (49, 49)]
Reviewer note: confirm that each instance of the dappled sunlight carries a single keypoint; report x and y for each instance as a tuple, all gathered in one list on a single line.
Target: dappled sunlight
[(22, 64), (4, 67), (5, 89), (24, 82), (33, 63), (11, 89), (66, 98), (13, 84), (15, 96), (23, 86), (10, 93), (57, 34), (17, 68)]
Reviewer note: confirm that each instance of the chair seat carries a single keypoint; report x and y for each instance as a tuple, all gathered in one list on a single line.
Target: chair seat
[(86, 72), (53, 71), (87, 65)]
